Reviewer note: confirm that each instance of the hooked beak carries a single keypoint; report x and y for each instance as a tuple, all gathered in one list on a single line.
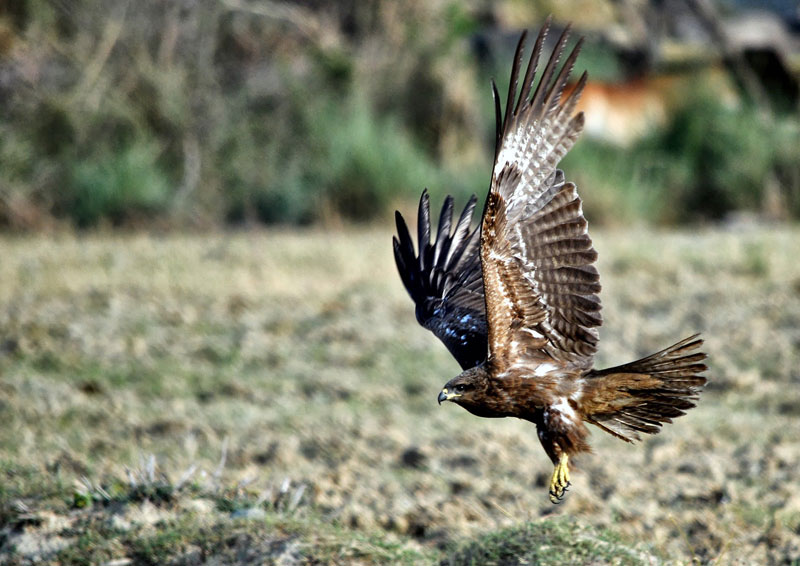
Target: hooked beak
[(444, 395)]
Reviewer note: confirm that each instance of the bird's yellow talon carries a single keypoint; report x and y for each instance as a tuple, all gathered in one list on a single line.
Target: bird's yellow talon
[(560, 480)]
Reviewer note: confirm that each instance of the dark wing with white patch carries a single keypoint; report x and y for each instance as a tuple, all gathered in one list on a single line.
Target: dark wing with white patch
[(540, 282), (444, 279)]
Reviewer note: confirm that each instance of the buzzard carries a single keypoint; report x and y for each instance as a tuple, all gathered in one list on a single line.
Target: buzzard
[(516, 300)]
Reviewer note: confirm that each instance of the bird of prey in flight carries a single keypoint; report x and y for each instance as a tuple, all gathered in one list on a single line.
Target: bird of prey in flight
[(515, 299)]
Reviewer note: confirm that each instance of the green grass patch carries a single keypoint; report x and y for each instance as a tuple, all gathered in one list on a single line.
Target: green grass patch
[(547, 543)]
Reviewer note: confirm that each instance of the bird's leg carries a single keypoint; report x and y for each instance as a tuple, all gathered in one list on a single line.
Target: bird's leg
[(560, 480)]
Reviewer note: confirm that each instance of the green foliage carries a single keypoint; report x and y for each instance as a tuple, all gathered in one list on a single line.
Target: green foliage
[(722, 158), (117, 184), (205, 117), (346, 162), (708, 160), (123, 113), (618, 187), (368, 162)]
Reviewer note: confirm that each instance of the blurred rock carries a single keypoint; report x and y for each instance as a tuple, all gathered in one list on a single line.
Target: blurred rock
[(250, 514), (413, 457)]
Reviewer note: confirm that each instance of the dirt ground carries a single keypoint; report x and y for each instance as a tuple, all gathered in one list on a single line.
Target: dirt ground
[(290, 365)]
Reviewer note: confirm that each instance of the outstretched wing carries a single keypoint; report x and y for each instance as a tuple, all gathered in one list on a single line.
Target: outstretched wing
[(444, 280), (540, 282)]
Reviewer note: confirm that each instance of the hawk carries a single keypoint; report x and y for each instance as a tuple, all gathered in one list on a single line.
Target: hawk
[(515, 300)]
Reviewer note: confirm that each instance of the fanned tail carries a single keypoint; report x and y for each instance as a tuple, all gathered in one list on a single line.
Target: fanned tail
[(640, 396)]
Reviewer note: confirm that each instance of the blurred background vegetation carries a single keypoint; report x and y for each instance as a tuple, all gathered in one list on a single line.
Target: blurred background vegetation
[(210, 113)]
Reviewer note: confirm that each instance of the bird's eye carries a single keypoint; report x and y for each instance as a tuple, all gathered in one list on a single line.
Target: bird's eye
[(460, 388)]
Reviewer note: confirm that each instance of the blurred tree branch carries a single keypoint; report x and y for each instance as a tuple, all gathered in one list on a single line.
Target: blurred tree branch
[(312, 25), (744, 77), (111, 34)]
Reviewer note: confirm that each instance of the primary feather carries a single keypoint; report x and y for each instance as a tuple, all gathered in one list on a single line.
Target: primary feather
[(535, 245), (444, 279)]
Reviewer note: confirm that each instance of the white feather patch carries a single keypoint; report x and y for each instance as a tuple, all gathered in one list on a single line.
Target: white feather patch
[(544, 369), (564, 408)]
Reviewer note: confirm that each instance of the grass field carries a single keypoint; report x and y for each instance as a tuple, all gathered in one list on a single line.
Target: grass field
[(269, 398)]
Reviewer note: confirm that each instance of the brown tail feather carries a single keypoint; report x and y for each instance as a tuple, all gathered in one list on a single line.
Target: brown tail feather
[(638, 397)]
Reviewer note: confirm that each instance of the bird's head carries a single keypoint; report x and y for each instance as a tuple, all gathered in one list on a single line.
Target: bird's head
[(467, 389)]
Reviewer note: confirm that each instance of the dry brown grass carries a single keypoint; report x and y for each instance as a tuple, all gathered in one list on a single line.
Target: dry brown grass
[(297, 356)]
